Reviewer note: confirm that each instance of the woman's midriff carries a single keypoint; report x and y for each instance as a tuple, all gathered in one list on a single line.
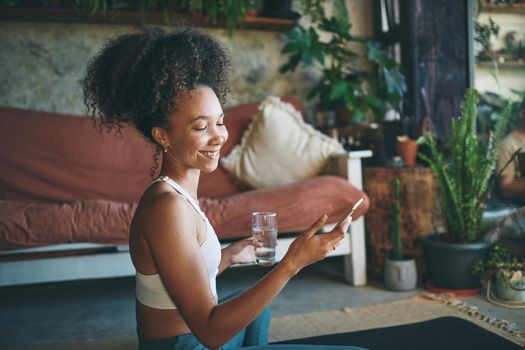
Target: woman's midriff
[(157, 324)]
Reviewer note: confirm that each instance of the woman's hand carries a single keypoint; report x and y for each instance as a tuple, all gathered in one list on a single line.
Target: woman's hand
[(309, 247), (239, 252)]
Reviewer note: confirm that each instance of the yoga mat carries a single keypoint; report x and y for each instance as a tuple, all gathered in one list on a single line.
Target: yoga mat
[(423, 307), (450, 333)]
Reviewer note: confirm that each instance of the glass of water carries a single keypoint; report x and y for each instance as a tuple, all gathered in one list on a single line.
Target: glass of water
[(264, 229)]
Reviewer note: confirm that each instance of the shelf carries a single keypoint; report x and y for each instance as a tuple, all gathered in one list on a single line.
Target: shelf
[(67, 15), (503, 8), (505, 65)]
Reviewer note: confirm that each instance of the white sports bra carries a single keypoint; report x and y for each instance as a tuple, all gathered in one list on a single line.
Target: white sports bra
[(150, 290)]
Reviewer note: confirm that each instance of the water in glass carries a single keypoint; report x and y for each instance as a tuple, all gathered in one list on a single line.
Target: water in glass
[(265, 256)]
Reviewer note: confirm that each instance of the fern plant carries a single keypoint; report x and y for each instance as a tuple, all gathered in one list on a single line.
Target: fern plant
[(464, 169)]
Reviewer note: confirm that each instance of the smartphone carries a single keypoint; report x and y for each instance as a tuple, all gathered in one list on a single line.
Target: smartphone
[(350, 211)]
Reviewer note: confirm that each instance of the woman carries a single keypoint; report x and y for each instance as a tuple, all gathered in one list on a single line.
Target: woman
[(170, 85), (512, 177)]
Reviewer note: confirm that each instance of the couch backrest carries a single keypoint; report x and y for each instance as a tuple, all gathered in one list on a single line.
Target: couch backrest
[(51, 157)]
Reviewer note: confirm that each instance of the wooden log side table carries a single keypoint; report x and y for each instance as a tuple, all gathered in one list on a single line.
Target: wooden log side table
[(420, 213)]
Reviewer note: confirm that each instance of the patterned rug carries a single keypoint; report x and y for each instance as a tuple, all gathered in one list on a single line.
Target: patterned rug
[(420, 308)]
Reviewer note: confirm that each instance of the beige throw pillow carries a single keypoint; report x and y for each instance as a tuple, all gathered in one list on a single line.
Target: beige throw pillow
[(279, 148)]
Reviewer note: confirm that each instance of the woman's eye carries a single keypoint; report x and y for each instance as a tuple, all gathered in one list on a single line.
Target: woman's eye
[(201, 129), (220, 124)]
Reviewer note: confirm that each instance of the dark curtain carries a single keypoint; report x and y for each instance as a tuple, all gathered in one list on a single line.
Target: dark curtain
[(435, 55)]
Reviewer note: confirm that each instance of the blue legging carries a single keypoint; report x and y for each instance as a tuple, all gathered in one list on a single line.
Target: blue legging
[(253, 337)]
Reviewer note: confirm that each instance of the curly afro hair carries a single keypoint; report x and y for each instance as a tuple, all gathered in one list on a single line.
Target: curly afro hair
[(136, 77)]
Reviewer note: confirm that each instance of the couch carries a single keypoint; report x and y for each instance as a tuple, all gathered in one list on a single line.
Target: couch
[(68, 191)]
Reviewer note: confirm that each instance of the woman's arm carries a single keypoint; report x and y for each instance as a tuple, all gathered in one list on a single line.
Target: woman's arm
[(179, 261), (511, 187)]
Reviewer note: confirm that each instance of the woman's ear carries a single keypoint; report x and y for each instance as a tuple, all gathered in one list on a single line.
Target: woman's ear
[(160, 136)]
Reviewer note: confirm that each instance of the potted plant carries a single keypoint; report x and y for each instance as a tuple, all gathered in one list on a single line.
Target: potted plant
[(483, 33), (400, 271), (343, 85), (230, 12), (463, 168), (407, 149), (503, 274)]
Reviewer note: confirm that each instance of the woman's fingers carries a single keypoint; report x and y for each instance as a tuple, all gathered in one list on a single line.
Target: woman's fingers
[(316, 226), (252, 241), (334, 237), (337, 233), (345, 224), (335, 242)]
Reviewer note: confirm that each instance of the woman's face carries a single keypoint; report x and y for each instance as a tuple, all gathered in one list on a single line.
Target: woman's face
[(197, 130)]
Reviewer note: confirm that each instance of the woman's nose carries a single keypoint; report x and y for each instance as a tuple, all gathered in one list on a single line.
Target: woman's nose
[(220, 135)]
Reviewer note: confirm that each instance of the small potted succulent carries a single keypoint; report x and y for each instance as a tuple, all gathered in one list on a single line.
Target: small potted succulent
[(400, 271), (503, 274)]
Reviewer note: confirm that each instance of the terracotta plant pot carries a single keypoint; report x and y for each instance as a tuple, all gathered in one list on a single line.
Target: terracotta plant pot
[(407, 149)]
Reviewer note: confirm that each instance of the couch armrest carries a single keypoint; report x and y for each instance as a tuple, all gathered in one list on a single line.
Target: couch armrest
[(348, 165)]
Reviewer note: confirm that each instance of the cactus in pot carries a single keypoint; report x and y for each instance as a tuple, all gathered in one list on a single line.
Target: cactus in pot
[(400, 272), (397, 249)]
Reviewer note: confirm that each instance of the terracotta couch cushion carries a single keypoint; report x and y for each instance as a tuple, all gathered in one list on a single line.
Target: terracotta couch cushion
[(297, 205), (37, 224), (25, 224)]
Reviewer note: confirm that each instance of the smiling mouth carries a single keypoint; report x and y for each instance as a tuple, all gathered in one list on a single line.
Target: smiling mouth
[(211, 155)]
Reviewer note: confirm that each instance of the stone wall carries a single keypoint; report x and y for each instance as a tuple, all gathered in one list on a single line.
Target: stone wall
[(41, 64)]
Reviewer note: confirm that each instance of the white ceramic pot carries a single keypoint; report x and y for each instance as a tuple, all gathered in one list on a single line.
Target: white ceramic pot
[(400, 275), (509, 285)]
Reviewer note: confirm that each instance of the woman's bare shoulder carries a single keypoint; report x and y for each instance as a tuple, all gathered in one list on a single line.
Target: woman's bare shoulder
[(161, 206)]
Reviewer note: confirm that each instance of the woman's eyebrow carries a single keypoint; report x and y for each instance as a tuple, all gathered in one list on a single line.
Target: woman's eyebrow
[(205, 117)]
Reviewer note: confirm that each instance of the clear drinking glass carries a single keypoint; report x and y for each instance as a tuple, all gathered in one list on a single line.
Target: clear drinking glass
[(264, 229)]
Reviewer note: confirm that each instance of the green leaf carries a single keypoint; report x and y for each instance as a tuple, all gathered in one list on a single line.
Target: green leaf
[(291, 65), (290, 47), (374, 102), (338, 90), (395, 81)]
